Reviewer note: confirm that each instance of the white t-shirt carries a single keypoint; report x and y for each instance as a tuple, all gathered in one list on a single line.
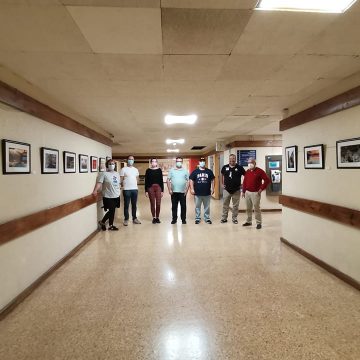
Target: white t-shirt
[(130, 174)]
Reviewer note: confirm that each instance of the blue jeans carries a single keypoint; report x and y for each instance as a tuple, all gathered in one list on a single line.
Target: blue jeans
[(206, 201), (130, 195)]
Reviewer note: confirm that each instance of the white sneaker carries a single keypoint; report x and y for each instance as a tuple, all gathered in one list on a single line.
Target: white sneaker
[(126, 222), (136, 221)]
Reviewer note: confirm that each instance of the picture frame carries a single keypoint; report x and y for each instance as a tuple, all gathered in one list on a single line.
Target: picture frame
[(83, 163), (69, 159), (94, 163), (49, 160), (16, 157), (348, 153), (102, 164), (291, 158), (314, 157)]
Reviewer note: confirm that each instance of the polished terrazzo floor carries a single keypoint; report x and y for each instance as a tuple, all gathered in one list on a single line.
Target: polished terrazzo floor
[(190, 291)]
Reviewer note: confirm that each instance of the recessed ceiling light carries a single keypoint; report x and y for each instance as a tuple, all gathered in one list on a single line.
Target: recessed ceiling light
[(175, 141), (173, 150), (328, 6), (184, 119)]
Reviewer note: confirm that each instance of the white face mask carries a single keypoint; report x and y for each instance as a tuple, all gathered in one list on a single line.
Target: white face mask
[(111, 167), (251, 165), (154, 163)]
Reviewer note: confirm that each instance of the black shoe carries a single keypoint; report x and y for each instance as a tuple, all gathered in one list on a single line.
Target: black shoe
[(258, 226), (247, 224), (197, 222), (154, 221), (223, 221), (173, 222), (209, 222), (157, 220), (184, 222), (235, 221), (102, 226), (113, 228)]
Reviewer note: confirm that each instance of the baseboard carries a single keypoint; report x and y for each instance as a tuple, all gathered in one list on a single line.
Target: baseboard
[(264, 210), (346, 278), (25, 293)]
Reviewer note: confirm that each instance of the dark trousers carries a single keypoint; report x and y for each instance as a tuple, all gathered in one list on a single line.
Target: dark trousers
[(175, 199), (130, 195), (154, 192), (110, 204)]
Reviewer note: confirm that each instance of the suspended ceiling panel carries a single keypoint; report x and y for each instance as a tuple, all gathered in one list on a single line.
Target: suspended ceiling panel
[(114, 3), (209, 4), (119, 30)]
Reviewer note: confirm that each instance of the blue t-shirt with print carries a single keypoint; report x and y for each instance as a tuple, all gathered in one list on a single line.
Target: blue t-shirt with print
[(202, 181)]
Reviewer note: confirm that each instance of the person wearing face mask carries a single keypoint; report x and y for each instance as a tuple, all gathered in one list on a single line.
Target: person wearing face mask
[(129, 180), (109, 182), (178, 186), (154, 188), (255, 181), (231, 182), (202, 186)]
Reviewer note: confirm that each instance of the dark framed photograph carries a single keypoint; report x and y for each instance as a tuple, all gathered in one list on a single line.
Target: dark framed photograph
[(16, 157), (314, 157), (348, 153), (49, 161), (69, 162), (291, 158), (94, 163), (83, 163), (102, 164), (108, 158)]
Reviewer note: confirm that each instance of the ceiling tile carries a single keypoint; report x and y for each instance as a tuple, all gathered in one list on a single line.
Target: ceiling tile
[(195, 31), (209, 4), (114, 3), (120, 30)]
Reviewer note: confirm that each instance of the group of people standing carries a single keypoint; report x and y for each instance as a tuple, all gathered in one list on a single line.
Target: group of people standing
[(200, 183)]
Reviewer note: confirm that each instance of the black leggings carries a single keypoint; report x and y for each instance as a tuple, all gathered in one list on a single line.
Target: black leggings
[(110, 205)]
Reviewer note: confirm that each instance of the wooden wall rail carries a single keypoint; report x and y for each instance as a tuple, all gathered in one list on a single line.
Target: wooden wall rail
[(256, 143), (331, 212), (24, 225), (15, 98), (338, 103)]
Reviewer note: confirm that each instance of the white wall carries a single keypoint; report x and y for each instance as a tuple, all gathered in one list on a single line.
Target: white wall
[(24, 259), (267, 202), (336, 244)]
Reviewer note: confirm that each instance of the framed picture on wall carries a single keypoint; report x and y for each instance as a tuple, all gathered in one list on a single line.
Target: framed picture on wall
[(49, 161), (16, 157), (83, 163), (69, 162), (314, 157), (291, 158), (348, 154), (94, 163), (102, 164)]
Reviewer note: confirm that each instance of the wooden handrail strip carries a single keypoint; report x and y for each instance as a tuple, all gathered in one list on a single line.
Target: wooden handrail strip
[(337, 213), (255, 143), (15, 98), (335, 104), (26, 224)]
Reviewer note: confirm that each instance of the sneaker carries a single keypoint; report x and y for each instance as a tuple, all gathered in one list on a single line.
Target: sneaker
[(173, 222), (158, 221), (247, 224), (197, 222), (235, 221), (102, 226), (223, 221), (184, 222), (113, 228), (258, 226), (209, 221), (136, 221), (154, 221), (126, 222)]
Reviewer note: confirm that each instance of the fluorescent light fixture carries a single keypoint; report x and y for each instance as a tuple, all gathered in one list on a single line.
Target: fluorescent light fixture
[(173, 150), (185, 119), (175, 141), (328, 6)]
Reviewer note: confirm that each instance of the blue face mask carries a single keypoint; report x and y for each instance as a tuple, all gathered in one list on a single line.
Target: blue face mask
[(202, 164), (179, 164), (130, 162)]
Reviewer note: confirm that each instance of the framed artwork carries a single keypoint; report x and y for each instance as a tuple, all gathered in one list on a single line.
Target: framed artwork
[(16, 157), (243, 156), (348, 154), (94, 163), (83, 163), (108, 158), (314, 157), (69, 162), (49, 161), (291, 158), (102, 164)]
